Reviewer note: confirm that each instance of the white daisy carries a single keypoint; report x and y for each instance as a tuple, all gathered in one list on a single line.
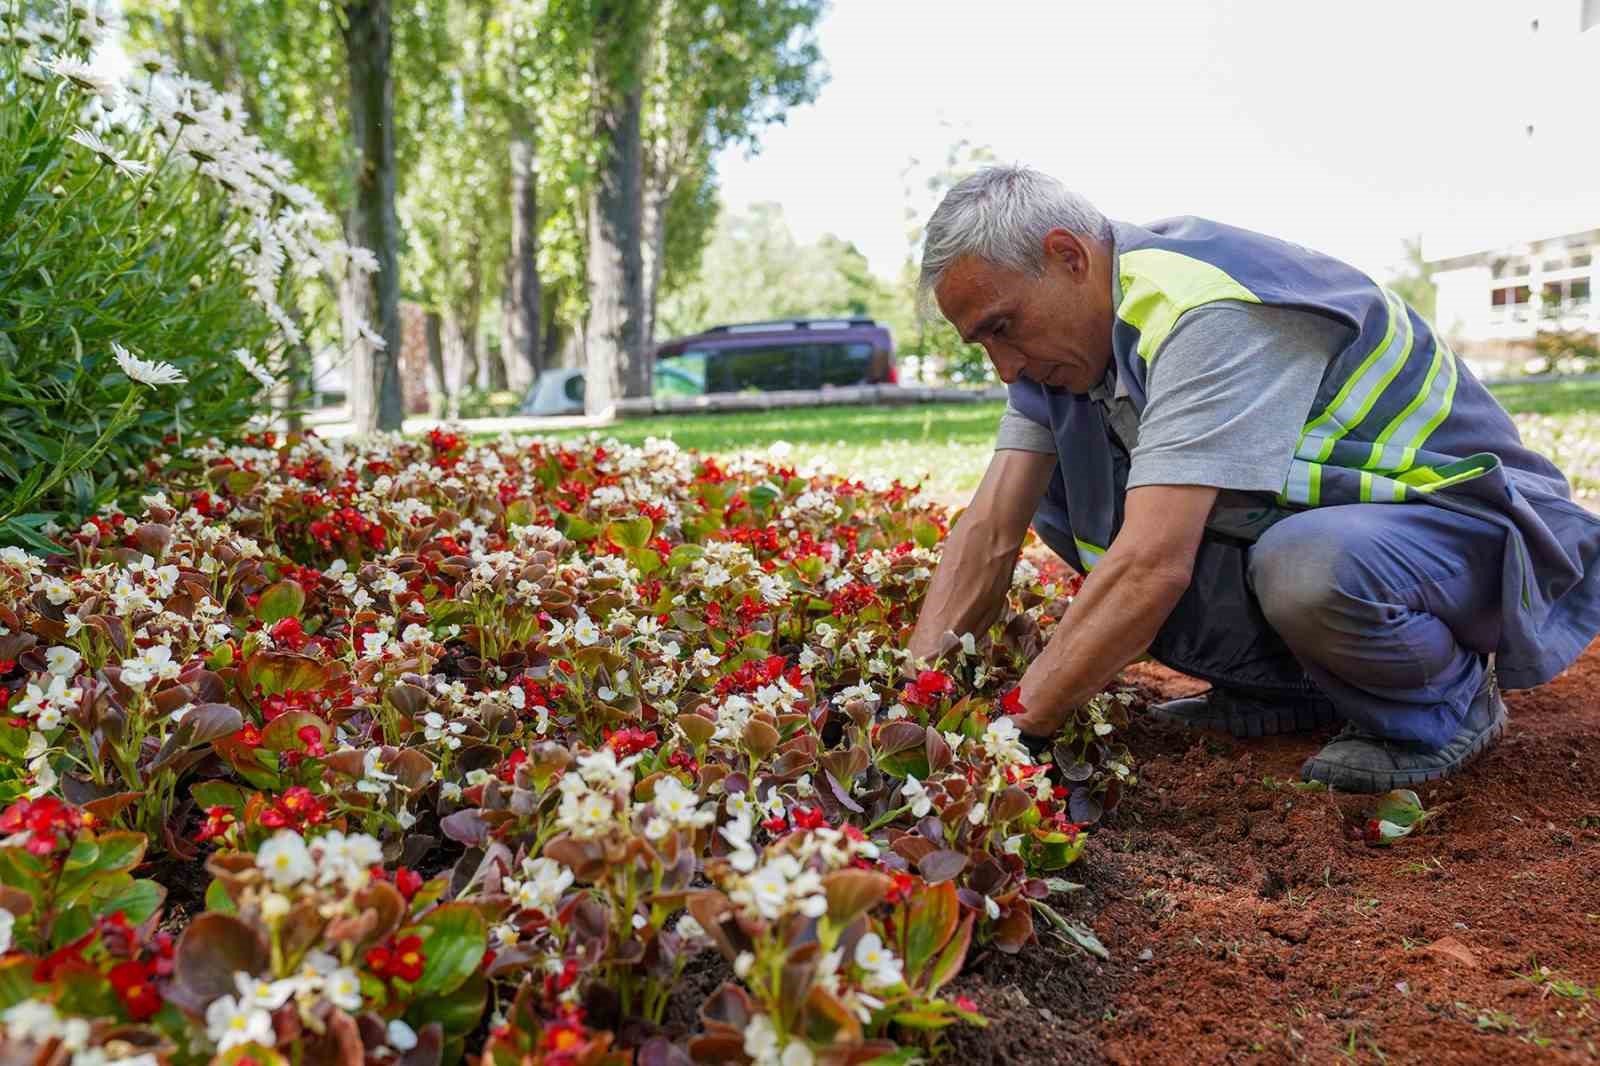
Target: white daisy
[(144, 371)]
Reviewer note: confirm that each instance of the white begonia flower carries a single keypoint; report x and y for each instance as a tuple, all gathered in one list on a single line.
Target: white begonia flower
[(400, 1036), (585, 632), (374, 779), (268, 995), (285, 860), (991, 908), (7, 921), (145, 371), (231, 1023), (62, 661), (343, 988), (545, 880), (797, 1053), (978, 813), (737, 832), (761, 1041), (912, 791), (882, 966)]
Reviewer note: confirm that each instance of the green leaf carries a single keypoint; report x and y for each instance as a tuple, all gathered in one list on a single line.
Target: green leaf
[(16, 980), (577, 529), (634, 532), (1402, 808), (218, 900), (137, 901), (931, 920), (217, 794), (286, 599), (684, 554), (457, 1013), (454, 938)]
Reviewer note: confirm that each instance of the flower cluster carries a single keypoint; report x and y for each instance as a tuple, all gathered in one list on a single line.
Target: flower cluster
[(618, 705)]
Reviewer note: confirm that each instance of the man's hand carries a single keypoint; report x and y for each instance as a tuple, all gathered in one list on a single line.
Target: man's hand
[(1122, 604), (969, 587)]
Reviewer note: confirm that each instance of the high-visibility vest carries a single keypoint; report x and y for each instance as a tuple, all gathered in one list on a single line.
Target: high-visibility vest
[(1398, 419)]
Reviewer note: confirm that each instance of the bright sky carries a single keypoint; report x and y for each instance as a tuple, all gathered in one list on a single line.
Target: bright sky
[(1346, 127)]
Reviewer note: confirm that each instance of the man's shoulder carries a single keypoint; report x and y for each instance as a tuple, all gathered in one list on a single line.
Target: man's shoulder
[(1240, 332)]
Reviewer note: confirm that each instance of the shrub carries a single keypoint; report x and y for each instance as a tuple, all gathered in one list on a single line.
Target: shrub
[(138, 217)]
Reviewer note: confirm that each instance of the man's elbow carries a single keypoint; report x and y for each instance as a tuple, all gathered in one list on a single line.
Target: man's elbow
[(1163, 575)]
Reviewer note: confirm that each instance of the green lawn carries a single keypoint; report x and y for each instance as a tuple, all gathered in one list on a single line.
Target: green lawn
[(947, 446), (1550, 397)]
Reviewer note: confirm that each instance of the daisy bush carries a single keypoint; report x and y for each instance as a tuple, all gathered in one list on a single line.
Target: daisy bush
[(147, 238), (407, 750)]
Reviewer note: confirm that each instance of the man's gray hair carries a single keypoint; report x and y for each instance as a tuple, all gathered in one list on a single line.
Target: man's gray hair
[(1001, 215)]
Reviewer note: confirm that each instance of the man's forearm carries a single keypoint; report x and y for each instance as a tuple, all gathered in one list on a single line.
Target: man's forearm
[(1122, 604), (1112, 621), (968, 588)]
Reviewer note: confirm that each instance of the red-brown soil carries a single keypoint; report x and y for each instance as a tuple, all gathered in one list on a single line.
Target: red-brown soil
[(1245, 926)]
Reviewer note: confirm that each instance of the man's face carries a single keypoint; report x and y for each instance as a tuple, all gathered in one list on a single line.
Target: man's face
[(1054, 329)]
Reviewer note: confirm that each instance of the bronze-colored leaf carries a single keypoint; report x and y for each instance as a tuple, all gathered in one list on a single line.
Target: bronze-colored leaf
[(943, 865)]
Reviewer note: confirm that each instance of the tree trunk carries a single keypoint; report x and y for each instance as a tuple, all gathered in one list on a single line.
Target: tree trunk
[(615, 363), (653, 252), (455, 350), (523, 353), (443, 387), (375, 373), (475, 360)]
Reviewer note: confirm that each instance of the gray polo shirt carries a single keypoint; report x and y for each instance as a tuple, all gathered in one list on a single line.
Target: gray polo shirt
[(1226, 396)]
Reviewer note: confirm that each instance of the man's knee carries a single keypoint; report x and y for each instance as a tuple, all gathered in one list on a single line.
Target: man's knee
[(1295, 572)]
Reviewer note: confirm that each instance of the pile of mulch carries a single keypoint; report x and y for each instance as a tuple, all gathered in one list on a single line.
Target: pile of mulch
[(1247, 922)]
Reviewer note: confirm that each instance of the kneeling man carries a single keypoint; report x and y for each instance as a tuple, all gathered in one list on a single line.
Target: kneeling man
[(1274, 474)]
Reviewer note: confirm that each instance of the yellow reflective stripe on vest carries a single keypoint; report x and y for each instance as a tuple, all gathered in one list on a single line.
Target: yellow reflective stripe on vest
[(1303, 485), (1088, 554), (1419, 418), (1363, 388), (1160, 285)]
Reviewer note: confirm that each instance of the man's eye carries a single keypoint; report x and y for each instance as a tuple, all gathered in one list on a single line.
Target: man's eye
[(1000, 329)]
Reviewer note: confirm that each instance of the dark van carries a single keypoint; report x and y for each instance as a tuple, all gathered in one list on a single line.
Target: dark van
[(799, 353)]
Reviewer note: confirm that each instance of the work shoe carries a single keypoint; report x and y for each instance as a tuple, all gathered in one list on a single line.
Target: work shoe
[(1359, 761), (1247, 716)]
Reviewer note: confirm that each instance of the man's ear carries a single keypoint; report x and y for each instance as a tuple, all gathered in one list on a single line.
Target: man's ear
[(1067, 251)]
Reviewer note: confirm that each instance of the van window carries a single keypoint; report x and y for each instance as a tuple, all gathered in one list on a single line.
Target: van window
[(845, 364), (765, 369), (683, 374)]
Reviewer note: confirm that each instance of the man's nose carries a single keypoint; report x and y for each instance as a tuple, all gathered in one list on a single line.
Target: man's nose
[(1007, 364)]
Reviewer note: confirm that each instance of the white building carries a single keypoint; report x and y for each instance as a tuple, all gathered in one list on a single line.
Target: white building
[(1532, 266)]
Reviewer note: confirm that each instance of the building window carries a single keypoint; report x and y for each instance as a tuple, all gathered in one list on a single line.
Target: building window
[(1569, 295), (1582, 257)]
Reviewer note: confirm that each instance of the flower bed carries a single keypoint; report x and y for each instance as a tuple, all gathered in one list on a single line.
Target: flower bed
[(414, 750)]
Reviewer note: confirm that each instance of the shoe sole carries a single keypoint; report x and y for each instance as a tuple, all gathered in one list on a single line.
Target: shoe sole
[(1279, 721), (1370, 782)]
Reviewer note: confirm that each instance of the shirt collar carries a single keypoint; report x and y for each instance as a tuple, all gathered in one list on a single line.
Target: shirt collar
[(1112, 386)]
